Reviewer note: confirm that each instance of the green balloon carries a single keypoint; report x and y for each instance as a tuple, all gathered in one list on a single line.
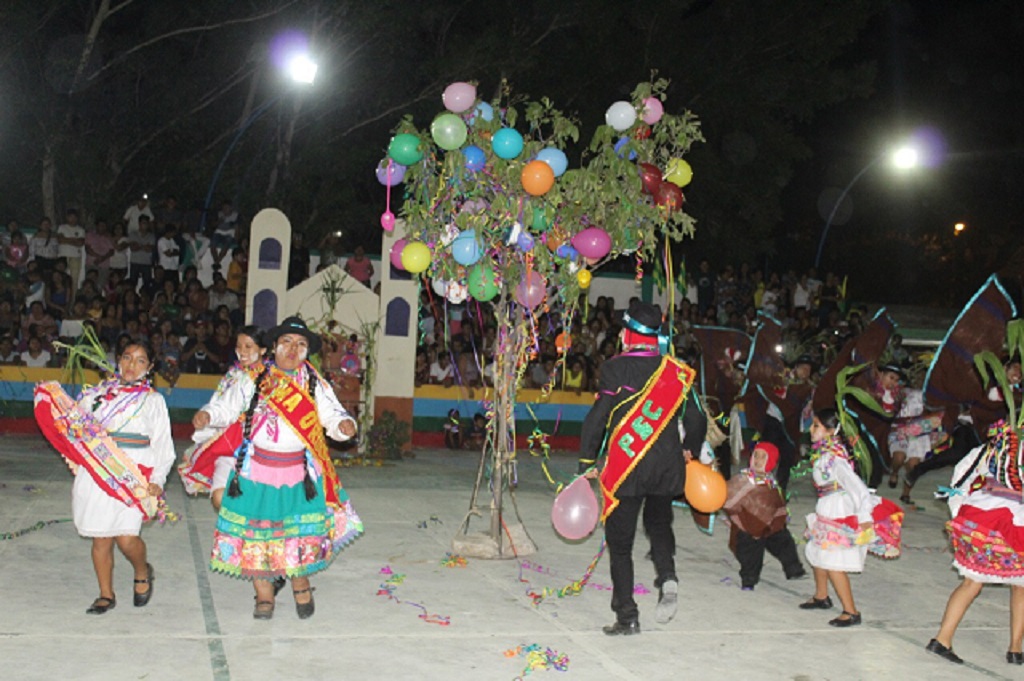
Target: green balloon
[(540, 221), (449, 131), (482, 282), (405, 149)]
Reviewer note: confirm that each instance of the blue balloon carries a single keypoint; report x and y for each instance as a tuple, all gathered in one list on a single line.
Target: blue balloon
[(465, 249), (566, 251), (475, 157), (525, 241), (484, 111), (507, 143), (555, 158), (623, 141)]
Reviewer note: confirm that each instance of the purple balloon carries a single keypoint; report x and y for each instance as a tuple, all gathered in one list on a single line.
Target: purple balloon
[(575, 511), (397, 173), (531, 290), (396, 254)]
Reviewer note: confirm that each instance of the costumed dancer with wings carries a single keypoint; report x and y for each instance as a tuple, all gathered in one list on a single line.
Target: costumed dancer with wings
[(117, 441)]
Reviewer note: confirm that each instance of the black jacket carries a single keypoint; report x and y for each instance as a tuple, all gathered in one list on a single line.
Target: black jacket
[(662, 471)]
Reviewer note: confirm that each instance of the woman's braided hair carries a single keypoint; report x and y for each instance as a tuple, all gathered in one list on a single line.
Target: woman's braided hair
[(235, 489)]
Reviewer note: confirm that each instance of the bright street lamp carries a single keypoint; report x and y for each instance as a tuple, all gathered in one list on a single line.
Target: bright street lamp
[(903, 158), (300, 69), (958, 228)]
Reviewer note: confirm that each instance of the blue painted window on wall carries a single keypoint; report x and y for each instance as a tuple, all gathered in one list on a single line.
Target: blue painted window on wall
[(397, 321), (270, 254), (264, 309)]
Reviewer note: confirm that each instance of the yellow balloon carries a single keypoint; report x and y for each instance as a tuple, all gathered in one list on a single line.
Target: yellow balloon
[(583, 277), (679, 172), (415, 257)]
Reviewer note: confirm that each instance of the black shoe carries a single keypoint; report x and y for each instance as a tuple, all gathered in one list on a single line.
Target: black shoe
[(846, 619), (101, 605), (622, 628), (817, 604), (279, 583), (942, 651), (305, 610), (798, 575), (140, 599), (264, 610), (1014, 658)]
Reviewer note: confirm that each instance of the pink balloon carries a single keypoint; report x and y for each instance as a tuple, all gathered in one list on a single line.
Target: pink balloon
[(575, 511), (396, 254), (459, 97), (531, 290), (653, 110), (387, 221), (593, 242)]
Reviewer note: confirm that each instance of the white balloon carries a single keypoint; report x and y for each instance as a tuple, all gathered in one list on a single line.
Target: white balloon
[(621, 116), (457, 292), (450, 232), (440, 286)]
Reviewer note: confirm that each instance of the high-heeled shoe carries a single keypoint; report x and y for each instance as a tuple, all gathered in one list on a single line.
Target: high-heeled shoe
[(1014, 658)]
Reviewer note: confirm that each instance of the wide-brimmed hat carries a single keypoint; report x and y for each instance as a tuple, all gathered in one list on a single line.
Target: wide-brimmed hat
[(297, 326), (643, 318)]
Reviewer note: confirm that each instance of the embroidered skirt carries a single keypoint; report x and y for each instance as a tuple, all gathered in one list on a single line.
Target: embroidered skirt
[(988, 546), (272, 529)]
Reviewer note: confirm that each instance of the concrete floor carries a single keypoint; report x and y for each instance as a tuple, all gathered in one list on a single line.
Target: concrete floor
[(199, 625)]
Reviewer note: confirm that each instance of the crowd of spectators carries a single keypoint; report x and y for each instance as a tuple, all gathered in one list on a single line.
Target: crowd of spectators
[(808, 308)]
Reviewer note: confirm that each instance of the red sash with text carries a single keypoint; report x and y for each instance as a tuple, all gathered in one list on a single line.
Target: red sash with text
[(296, 408), (652, 410)]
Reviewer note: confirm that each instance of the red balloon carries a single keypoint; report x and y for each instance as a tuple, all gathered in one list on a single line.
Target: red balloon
[(669, 196), (650, 176)]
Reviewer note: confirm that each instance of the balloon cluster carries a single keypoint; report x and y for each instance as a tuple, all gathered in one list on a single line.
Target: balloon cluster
[(481, 197)]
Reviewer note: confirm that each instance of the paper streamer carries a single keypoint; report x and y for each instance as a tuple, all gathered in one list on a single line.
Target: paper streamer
[(391, 584), (38, 526), (538, 657)]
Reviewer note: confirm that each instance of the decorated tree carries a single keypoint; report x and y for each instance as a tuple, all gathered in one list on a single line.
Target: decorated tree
[(494, 213)]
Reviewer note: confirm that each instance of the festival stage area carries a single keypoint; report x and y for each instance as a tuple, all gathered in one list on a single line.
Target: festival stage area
[(199, 625)]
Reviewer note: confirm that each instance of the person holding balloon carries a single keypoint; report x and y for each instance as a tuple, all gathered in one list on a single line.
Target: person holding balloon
[(641, 399), (757, 510)]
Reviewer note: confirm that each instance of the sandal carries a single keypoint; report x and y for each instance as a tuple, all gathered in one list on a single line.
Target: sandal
[(101, 605), (264, 610), (305, 610), (140, 599)]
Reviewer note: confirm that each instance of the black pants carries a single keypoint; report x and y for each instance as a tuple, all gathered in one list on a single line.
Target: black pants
[(620, 531), (750, 553)]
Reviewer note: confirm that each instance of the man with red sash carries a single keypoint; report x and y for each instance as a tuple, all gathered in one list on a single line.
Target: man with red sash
[(285, 514), (641, 405)]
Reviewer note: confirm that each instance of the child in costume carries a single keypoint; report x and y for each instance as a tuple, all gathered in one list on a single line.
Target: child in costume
[(847, 518), (757, 511), (117, 440), (452, 430), (204, 469)]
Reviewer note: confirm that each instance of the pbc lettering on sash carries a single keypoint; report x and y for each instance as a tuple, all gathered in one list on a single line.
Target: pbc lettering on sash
[(641, 426)]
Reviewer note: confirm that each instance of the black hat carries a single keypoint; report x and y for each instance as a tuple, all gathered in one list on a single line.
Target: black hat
[(297, 326), (643, 318), (893, 369), (804, 359)]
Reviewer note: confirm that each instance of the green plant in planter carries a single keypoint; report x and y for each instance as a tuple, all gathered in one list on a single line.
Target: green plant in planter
[(386, 437)]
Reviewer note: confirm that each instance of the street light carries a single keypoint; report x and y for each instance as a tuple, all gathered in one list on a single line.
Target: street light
[(903, 158), (958, 228), (300, 69)]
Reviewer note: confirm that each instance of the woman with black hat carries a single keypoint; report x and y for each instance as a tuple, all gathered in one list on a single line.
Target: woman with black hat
[(640, 395), (285, 513)]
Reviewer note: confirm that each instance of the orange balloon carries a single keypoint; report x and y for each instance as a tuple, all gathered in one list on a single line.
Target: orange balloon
[(705, 487), (538, 178), (563, 342)]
